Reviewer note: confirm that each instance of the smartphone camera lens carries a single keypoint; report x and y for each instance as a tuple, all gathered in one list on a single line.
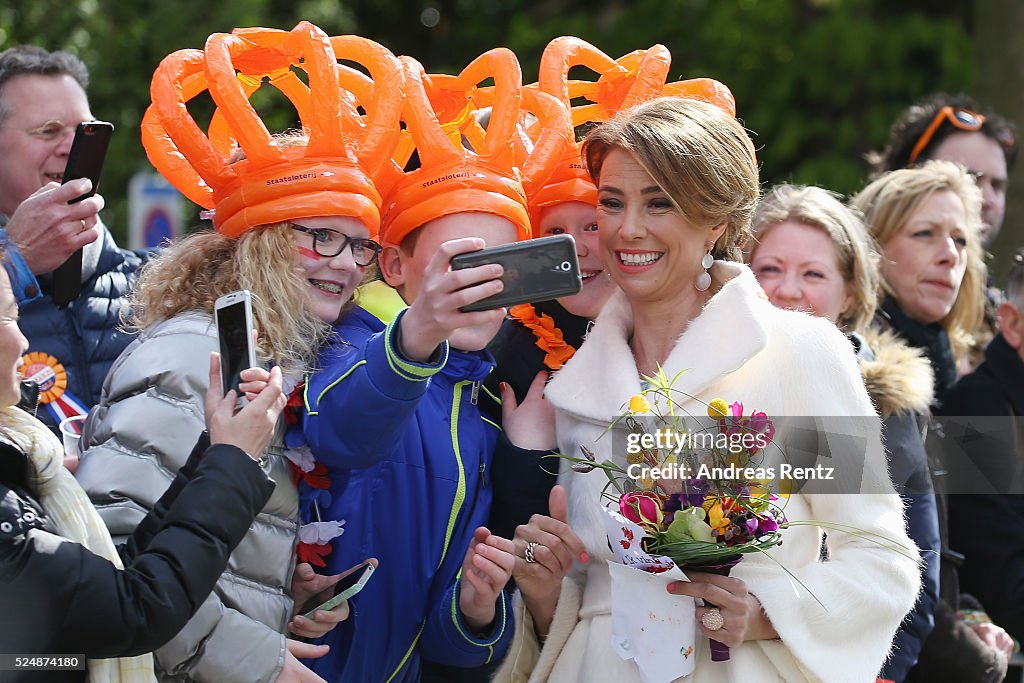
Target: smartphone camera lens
[(565, 266)]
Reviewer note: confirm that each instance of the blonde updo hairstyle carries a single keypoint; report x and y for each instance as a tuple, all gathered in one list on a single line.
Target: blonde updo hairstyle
[(890, 201), (699, 155), (858, 257)]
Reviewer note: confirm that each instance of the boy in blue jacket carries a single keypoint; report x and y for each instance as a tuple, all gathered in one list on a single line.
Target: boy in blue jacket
[(394, 415)]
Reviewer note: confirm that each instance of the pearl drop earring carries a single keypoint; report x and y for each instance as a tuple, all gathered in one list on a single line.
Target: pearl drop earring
[(703, 281)]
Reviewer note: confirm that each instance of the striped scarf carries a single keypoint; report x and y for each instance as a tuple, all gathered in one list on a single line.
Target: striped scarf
[(75, 519)]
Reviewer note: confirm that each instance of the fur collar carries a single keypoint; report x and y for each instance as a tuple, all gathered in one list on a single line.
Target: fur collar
[(899, 377), (700, 351)]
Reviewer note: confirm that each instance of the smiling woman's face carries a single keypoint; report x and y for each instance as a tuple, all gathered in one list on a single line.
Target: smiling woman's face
[(331, 279), (925, 260), (797, 265), (12, 344), (651, 250)]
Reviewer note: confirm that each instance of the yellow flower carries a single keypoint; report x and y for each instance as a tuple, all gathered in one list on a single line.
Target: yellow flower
[(716, 517), (762, 489), (635, 458), (718, 408), (639, 404), (736, 461), (646, 483)]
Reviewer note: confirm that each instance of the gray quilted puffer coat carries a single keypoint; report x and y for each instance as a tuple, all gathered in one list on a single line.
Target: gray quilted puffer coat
[(149, 415)]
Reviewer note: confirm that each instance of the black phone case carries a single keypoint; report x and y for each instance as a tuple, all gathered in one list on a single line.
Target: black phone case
[(85, 160), (535, 270)]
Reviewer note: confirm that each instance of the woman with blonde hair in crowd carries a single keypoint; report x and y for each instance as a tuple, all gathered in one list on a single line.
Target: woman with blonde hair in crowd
[(677, 184), (811, 253), (295, 216), (153, 397), (926, 222)]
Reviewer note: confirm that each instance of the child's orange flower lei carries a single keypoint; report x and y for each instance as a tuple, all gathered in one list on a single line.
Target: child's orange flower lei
[(549, 337)]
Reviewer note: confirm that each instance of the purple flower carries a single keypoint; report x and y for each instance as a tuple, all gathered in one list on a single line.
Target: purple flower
[(694, 491)]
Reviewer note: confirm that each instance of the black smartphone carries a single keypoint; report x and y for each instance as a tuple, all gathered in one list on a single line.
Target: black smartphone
[(85, 160), (234, 329), (535, 270)]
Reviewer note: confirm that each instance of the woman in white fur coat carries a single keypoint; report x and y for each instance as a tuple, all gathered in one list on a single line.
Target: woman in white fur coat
[(677, 181)]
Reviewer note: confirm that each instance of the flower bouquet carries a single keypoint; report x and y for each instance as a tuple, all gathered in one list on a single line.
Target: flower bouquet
[(698, 492), (696, 489)]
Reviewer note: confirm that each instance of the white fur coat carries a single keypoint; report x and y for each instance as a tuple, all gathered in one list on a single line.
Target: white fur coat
[(740, 348)]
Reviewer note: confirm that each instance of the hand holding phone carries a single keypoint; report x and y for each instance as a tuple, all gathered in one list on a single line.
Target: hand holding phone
[(234, 318), (85, 160), (250, 428), (351, 582), (437, 311), (534, 270)]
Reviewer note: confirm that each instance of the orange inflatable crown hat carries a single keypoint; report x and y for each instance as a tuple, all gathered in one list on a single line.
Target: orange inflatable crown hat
[(464, 167), (333, 174), (623, 83)]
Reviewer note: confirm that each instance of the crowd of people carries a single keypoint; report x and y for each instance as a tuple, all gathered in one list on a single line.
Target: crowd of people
[(198, 531)]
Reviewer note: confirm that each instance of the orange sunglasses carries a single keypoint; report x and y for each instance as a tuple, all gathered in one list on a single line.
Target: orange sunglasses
[(964, 119)]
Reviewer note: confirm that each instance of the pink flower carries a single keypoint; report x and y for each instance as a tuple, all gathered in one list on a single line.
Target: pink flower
[(643, 508)]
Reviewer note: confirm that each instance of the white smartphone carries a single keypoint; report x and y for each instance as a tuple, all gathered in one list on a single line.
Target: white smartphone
[(234, 328), (346, 587)]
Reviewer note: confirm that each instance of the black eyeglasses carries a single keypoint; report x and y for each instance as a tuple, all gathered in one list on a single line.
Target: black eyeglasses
[(329, 243)]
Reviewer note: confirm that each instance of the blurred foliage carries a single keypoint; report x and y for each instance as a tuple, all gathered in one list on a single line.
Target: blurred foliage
[(817, 81)]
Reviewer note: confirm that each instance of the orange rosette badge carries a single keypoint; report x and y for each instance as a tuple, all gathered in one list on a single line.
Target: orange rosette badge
[(48, 373)]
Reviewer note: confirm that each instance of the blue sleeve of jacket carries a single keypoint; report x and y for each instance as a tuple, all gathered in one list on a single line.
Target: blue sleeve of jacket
[(362, 398), (23, 281), (923, 527), (906, 452), (449, 640)]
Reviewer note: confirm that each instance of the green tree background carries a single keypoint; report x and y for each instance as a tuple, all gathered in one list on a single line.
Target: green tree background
[(817, 81)]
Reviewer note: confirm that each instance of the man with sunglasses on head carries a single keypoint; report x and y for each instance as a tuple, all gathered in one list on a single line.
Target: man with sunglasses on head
[(955, 128), (42, 100)]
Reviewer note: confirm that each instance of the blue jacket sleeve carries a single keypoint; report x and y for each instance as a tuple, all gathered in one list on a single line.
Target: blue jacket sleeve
[(23, 281), (362, 397), (449, 640), (906, 452)]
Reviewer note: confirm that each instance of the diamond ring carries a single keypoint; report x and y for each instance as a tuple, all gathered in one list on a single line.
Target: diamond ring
[(712, 619)]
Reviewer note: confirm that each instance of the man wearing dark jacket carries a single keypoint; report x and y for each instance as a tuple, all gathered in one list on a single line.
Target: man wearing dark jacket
[(42, 100), (985, 420)]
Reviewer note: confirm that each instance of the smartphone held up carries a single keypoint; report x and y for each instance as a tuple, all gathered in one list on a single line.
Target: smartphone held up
[(346, 587), (535, 270), (234, 319), (85, 160)]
